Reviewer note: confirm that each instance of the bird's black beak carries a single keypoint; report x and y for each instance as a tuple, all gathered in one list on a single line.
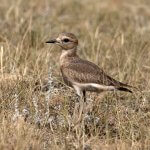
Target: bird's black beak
[(51, 41)]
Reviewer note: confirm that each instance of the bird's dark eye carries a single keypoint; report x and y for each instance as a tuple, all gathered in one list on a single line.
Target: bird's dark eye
[(66, 40)]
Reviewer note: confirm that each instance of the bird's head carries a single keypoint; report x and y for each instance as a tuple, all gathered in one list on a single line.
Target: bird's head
[(66, 41)]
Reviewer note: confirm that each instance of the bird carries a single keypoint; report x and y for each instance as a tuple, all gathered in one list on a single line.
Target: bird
[(80, 74)]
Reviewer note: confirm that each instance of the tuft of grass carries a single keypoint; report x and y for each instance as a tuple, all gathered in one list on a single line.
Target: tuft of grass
[(37, 111)]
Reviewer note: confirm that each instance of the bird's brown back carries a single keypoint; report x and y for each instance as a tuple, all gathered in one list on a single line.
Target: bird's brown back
[(83, 71)]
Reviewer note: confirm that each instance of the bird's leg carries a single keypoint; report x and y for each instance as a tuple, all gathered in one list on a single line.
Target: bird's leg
[(81, 94), (87, 106), (84, 95), (81, 107), (85, 102)]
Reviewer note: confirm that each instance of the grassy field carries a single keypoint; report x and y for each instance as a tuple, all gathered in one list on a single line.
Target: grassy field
[(37, 111)]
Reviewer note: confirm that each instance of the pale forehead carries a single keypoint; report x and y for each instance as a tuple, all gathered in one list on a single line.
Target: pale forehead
[(64, 37), (67, 35)]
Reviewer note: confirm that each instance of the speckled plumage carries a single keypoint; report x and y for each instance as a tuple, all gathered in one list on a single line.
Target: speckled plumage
[(81, 74)]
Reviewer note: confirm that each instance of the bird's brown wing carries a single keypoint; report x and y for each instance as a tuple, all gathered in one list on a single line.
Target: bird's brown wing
[(83, 71)]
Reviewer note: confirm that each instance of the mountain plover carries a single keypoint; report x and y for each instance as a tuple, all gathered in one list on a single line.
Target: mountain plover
[(83, 75)]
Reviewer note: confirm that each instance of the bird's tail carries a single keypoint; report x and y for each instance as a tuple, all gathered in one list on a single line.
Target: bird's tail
[(124, 89)]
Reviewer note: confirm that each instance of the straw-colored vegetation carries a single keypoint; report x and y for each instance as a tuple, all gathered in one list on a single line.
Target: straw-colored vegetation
[(114, 34)]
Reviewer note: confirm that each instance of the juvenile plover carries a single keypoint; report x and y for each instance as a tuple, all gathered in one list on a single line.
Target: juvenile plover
[(83, 75)]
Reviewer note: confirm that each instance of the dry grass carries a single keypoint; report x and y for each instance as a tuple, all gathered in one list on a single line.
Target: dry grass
[(114, 34)]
